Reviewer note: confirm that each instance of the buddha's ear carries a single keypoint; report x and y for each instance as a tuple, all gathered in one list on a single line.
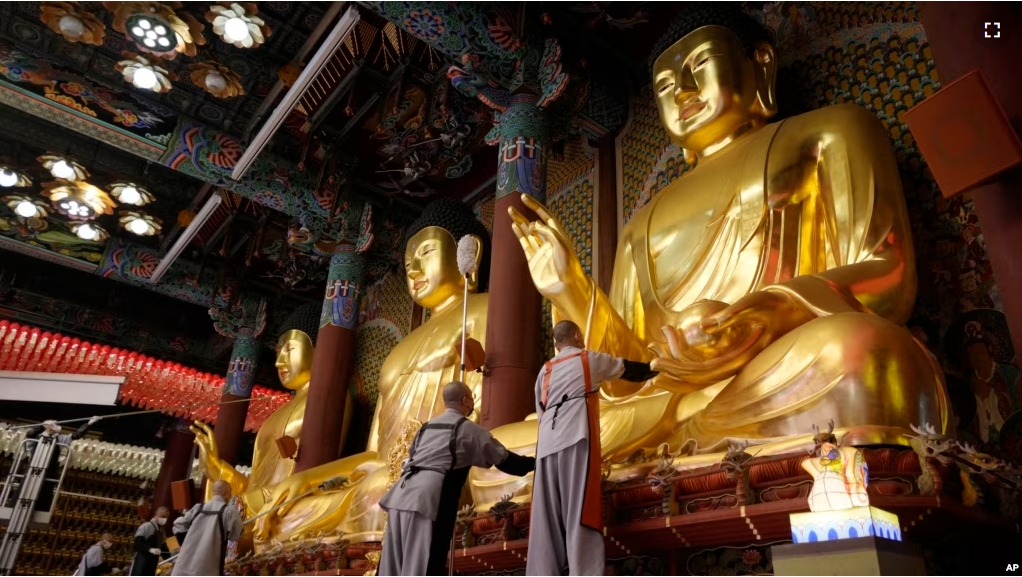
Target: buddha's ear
[(764, 61), (477, 253)]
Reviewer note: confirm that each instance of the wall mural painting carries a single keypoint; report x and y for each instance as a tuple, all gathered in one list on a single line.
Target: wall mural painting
[(876, 55), (34, 75)]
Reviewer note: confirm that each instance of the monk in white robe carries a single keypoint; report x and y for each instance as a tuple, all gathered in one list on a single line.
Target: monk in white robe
[(567, 504), (422, 505), (207, 528)]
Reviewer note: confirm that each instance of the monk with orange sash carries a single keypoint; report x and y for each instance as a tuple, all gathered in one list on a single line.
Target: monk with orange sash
[(567, 503)]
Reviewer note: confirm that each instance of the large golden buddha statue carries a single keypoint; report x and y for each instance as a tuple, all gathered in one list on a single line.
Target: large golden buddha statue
[(410, 385), (768, 285)]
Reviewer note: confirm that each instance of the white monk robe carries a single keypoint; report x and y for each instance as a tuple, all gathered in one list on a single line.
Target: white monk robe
[(422, 506), (567, 515), (208, 528)]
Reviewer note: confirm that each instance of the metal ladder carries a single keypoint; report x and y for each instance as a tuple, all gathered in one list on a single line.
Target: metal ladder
[(19, 512)]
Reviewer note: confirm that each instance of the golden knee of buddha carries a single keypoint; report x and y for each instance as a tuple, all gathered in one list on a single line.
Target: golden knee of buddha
[(768, 285), (410, 384)]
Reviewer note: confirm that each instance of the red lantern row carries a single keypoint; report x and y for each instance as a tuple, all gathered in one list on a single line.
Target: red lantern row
[(150, 383)]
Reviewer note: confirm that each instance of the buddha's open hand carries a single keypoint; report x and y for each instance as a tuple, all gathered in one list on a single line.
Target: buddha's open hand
[(555, 268), (209, 458)]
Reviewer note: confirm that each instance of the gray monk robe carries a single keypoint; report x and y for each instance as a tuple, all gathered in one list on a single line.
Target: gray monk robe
[(567, 502), (422, 505), (148, 536), (208, 528)]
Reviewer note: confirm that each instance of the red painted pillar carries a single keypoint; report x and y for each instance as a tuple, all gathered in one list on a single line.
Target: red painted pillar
[(332, 362), (230, 418), (515, 313), (955, 33), (177, 461)]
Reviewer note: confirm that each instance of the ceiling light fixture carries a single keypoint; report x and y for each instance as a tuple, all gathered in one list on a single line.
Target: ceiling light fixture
[(25, 206), (156, 27), (78, 200), (72, 22), (215, 79), (63, 167), (131, 193), (144, 73), (140, 223), (10, 178), (238, 24), (89, 231)]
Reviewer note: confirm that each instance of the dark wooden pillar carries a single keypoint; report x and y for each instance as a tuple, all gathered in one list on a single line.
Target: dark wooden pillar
[(515, 313), (605, 234), (177, 461), (332, 362), (955, 33)]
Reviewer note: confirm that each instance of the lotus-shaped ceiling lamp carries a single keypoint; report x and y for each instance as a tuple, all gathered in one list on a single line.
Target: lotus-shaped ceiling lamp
[(131, 193), (89, 231), (158, 28), (217, 80), (140, 223), (25, 206), (238, 24), (78, 200), (72, 22), (10, 178), (62, 167), (144, 73)]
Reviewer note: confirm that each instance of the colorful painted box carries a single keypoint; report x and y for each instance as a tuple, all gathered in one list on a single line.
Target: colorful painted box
[(844, 524)]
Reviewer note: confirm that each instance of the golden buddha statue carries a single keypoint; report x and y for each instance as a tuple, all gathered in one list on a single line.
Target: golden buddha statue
[(410, 384), (768, 285)]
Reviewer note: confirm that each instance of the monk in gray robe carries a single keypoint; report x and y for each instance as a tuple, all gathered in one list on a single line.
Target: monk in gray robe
[(208, 527), (150, 544), (422, 505), (567, 504), (92, 562)]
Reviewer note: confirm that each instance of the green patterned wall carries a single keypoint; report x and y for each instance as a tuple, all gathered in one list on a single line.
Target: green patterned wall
[(875, 55)]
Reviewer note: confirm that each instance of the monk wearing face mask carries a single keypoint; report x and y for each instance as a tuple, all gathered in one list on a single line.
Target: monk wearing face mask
[(92, 562), (150, 544)]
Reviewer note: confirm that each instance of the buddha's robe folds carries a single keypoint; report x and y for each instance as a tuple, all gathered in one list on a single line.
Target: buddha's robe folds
[(812, 207)]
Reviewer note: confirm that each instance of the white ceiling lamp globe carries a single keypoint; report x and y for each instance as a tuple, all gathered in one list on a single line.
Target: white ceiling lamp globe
[(164, 41), (144, 79), (216, 82), (235, 29), (8, 177), (62, 169), (86, 232), (144, 24), (25, 209), (71, 26), (137, 31), (130, 195), (138, 226)]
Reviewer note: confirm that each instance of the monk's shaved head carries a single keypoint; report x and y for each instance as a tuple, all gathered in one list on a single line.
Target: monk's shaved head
[(162, 512), (222, 488), (567, 333), (455, 391)]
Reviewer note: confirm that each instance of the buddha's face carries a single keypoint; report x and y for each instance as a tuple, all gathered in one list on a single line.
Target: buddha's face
[(708, 89), (431, 267), (294, 359)]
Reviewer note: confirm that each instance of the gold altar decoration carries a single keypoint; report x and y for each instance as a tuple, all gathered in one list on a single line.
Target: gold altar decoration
[(768, 285), (78, 200), (72, 22), (215, 79)]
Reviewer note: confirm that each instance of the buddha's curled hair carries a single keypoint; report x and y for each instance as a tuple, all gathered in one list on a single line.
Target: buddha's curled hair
[(695, 15), (306, 319), (458, 219)]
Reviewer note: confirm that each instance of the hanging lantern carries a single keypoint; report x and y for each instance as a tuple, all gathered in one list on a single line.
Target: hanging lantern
[(78, 200), (10, 178), (89, 231), (157, 27), (72, 22), (131, 193), (238, 24), (144, 73), (63, 167), (25, 206), (217, 80), (140, 223)]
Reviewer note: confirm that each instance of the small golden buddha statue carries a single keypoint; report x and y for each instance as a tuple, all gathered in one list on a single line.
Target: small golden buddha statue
[(411, 385), (768, 285)]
